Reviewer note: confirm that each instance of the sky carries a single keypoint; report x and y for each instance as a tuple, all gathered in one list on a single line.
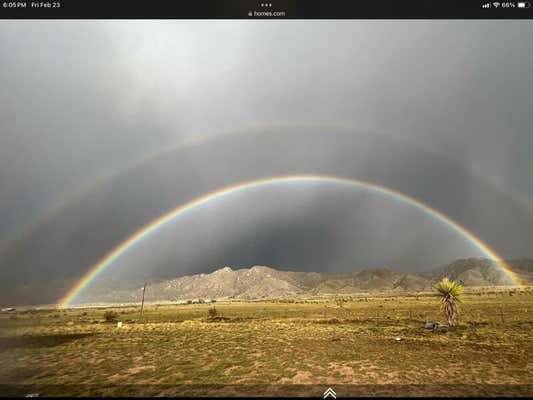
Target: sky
[(92, 114)]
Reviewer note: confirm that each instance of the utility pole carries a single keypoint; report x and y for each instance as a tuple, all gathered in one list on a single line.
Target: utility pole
[(142, 303)]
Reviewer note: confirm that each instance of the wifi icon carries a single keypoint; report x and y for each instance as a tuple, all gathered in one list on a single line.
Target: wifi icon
[(496, 4)]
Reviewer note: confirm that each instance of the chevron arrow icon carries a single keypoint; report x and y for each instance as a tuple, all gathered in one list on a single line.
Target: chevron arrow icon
[(330, 393)]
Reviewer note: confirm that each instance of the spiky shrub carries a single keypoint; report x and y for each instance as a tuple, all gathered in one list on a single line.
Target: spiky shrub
[(451, 294)]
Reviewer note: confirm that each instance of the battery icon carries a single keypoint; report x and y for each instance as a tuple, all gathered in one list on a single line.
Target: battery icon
[(524, 4)]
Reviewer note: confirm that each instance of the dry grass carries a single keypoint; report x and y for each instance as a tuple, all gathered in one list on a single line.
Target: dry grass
[(282, 345)]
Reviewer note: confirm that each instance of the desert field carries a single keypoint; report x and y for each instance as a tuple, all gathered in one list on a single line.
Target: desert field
[(358, 345)]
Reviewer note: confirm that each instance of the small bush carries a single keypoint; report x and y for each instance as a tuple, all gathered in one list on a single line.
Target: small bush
[(212, 313), (110, 316)]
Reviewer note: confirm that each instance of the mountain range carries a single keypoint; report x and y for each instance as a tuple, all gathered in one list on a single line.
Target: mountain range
[(262, 282)]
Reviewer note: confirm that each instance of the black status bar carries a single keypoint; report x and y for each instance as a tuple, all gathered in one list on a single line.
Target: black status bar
[(265, 9)]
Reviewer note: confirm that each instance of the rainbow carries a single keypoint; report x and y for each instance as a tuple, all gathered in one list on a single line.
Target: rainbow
[(202, 139), (172, 215), (182, 145)]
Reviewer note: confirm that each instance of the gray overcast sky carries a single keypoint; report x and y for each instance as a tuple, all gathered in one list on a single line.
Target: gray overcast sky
[(440, 110)]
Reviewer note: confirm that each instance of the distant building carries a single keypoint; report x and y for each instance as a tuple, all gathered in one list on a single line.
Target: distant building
[(197, 301)]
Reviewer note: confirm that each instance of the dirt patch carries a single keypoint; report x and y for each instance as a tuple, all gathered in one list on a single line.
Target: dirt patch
[(301, 378), (136, 370), (344, 371)]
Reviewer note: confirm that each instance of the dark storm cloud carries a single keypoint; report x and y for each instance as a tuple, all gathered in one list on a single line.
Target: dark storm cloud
[(87, 230), (61, 118), (81, 99)]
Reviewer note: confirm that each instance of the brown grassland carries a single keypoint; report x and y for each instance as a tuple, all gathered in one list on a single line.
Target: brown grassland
[(274, 348)]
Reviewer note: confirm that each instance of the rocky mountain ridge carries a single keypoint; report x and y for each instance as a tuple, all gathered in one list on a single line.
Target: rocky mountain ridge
[(262, 282)]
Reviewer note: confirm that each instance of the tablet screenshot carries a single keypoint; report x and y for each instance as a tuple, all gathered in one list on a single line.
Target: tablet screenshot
[(273, 199)]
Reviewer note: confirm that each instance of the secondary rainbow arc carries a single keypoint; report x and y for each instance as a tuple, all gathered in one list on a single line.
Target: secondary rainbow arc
[(151, 227)]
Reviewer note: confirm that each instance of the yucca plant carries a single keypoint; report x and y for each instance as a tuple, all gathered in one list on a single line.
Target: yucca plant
[(451, 294)]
